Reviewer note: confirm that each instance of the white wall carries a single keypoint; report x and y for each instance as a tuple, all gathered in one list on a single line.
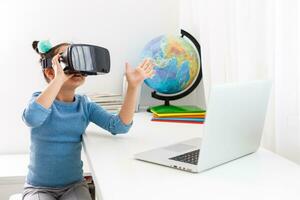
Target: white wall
[(123, 27)]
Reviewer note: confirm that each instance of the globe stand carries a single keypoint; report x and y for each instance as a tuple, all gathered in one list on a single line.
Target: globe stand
[(166, 98)]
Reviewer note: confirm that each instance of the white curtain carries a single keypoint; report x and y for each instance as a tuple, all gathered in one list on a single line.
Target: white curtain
[(254, 39)]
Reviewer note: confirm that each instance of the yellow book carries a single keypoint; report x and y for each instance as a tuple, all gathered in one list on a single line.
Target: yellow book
[(179, 114)]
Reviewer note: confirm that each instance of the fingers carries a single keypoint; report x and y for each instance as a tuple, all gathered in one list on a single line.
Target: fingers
[(55, 58), (127, 67), (146, 64), (149, 72), (142, 64), (144, 70), (55, 61), (149, 65), (147, 68)]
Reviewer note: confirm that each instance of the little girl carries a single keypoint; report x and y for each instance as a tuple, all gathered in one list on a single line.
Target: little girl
[(58, 117)]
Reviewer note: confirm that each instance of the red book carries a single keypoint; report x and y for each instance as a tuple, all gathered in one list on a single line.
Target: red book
[(177, 121)]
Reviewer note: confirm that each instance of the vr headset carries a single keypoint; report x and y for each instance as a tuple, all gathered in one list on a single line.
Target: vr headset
[(83, 59)]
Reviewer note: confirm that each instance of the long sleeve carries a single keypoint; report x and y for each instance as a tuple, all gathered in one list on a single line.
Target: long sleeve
[(107, 121), (35, 114)]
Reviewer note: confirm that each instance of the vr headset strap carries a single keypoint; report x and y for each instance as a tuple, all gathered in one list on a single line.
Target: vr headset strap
[(46, 62)]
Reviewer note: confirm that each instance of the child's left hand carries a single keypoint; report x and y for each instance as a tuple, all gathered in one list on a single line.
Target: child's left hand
[(135, 77)]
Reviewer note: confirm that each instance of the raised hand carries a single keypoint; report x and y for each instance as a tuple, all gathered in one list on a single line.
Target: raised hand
[(136, 76)]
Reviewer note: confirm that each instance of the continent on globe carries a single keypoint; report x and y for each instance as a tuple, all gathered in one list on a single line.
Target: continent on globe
[(176, 64)]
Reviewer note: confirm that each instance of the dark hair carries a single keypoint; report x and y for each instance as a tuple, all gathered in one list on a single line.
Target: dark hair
[(50, 54)]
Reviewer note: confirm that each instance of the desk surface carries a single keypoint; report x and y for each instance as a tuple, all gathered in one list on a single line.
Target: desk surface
[(262, 175)]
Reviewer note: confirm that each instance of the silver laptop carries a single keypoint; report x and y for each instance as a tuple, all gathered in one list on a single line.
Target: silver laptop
[(233, 128)]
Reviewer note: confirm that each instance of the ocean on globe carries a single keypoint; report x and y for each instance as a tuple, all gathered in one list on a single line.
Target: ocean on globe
[(176, 64)]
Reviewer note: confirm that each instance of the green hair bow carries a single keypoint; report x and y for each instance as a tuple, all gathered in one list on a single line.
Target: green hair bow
[(44, 46)]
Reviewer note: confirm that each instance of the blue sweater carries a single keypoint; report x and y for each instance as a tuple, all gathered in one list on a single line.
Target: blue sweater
[(56, 135)]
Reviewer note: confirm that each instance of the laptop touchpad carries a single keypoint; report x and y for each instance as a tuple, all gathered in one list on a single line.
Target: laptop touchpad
[(179, 147)]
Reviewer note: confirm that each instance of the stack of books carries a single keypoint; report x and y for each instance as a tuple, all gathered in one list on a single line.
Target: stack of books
[(178, 114), (110, 102)]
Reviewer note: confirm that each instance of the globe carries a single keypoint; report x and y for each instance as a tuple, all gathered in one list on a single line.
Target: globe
[(176, 64)]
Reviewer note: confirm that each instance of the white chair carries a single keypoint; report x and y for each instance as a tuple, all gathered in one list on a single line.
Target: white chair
[(16, 197)]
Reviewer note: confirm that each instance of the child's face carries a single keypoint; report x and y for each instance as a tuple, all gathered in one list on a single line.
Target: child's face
[(74, 82)]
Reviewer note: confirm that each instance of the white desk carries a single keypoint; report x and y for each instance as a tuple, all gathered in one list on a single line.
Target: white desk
[(262, 175)]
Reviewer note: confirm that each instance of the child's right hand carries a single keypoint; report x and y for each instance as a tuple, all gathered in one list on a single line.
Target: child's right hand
[(59, 73)]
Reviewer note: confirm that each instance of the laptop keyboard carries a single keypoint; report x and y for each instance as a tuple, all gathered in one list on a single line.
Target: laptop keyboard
[(190, 157)]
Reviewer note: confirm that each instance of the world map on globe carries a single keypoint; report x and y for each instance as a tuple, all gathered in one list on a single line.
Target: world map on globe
[(176, 64)]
